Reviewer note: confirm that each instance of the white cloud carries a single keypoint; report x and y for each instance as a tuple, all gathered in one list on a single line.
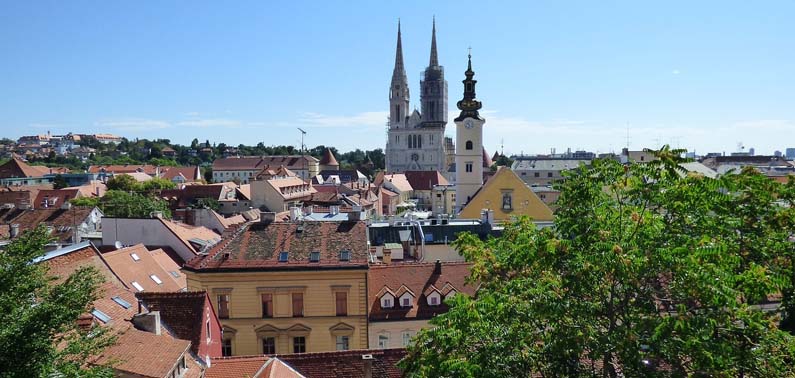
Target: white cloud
[(133, 124), (367, 120)]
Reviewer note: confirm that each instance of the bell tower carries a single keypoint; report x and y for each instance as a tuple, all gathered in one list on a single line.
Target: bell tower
[(469, 142)]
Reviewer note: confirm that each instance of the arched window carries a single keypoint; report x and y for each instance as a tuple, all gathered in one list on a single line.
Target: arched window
[(469, 145)]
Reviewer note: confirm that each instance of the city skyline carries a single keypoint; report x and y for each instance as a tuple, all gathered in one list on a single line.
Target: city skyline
[(550, 75)]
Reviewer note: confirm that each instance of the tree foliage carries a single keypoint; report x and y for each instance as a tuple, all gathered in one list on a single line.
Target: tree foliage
[(120, 204), (128, 183), (39, 336), (649, 271)]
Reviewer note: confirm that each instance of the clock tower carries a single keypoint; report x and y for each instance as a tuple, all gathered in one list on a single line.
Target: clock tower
[(469, 143)]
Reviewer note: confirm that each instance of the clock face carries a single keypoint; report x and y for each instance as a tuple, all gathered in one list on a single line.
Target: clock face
[(468, 124)]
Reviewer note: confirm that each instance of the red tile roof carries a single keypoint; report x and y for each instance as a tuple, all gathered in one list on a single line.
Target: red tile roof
[(425, 180), (191, 174), (182, 312), (419, 279), (254, 163), (329, 159), (346, 364), (150, 170), (250, 367), (144, 353), (62, 221), (17, 168), (149, 263), (55, 197), (257, 246)]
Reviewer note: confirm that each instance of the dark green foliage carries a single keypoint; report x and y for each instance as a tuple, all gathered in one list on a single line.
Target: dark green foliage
[(649, 271), (38, 330), (59, 182), (120, 204)]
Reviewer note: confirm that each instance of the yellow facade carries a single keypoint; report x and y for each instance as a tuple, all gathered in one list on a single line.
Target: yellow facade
[(508, 196), (320, 326)]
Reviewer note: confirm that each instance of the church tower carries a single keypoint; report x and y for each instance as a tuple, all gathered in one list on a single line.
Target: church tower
[(433, 90), (469, 143), (398, 89)]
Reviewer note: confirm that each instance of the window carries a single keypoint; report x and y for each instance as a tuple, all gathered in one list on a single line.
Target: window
[(406, 338), (469, 167), (549, 174), (174, 274), (314, 256), (156, 279), (405, 302), (298, 304), (283, 256), (536, 174), (226, 347), (269, 345), (507, 201), (121, 302), (343, 343), (433, 300), (267, 305), (345, 255), (209, 335), (299, 344), (342, 303), (469, 145), (383, 341), (223, 306), (134, 257), (137, 286), (386, 303), (100, 315)]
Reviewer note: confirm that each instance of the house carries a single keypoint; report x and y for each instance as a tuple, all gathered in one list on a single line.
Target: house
[(369, 363), (341, 176), (67, 224), (181, 175), (398, 183), (251, 367), (21, 196), (230, 197), (404, 297), (443, 200), (144, 346), (508, 197), (544, 171), (145, 270), (641, 156), (278, 189), (105, 172), (17, 172), (288, 287), (423, 183), (211, 219), (245, 168), (188, 316), (168, 152), (389, 201), (764, 164), (186, 241), (55, 197)]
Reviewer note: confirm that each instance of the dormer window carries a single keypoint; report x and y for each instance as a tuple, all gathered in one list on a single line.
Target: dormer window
[(433, 301), (405, 301), (314, 256), (345, 255), (283, 256)]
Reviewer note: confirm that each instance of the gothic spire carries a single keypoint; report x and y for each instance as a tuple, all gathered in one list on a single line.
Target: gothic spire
[(434, 55), (469, 106), (399, 72)]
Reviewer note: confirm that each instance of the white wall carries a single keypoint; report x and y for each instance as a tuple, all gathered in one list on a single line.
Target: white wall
[(394, 330), (149, 231)]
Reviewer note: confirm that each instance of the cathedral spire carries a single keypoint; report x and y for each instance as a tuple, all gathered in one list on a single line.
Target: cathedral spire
[(469, 106), (399, 72), (434, 55)]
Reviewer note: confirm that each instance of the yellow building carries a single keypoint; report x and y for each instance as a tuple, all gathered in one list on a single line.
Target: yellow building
[(288, 287), (508, 197)]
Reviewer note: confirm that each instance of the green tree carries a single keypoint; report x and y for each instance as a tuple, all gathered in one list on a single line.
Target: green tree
[(120, 204), (39, 336), (649, 271), (85, 201), (156, 184), (59, 182), (123, 182)]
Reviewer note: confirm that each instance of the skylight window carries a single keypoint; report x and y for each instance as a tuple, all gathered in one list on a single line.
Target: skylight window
[(345, 255), (156, 279), (137, 286), (103, 317), (283, 256), (174, 274), (121, 302), (134, 257), (314, 256)]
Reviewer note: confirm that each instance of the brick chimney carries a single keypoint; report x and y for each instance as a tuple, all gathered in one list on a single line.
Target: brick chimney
[(367, 360), (387, 256)]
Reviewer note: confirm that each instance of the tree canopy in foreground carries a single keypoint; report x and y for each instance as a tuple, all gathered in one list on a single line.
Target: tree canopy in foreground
[(39, 336), (649, 271)]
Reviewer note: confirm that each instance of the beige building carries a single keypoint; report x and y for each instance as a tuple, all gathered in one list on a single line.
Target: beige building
[(243, 169), (544, 171), (288, 287), (278, 190), (507, 197)]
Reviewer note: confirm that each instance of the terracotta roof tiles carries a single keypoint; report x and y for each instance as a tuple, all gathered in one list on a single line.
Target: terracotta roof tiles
[(182, 312)]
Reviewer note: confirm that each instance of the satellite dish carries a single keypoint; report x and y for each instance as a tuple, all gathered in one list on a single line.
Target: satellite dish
[(118, 245)]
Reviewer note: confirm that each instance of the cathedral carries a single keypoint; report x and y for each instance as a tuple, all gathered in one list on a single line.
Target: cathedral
[(416, 140)]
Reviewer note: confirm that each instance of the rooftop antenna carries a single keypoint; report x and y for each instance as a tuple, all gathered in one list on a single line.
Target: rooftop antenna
[(303, 154), (502, 146), (627, 136)]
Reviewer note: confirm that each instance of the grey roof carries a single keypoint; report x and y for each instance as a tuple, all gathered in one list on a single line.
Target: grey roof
[(547, 164)]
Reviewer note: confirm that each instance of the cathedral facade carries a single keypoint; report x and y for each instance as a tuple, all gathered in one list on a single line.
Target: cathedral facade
[(415, 139)]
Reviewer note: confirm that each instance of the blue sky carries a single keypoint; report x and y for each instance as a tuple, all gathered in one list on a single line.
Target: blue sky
[(703, 75)]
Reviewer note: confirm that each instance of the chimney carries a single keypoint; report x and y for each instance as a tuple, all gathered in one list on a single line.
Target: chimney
[(437, 268), (14, 231), (387, 256), (367, 360), (267, 217), (149, 322)]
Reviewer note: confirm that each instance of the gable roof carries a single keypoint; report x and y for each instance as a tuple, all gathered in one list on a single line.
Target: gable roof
[(129, 270), (346, 364), (191, 236), (254, 163), (258, 245), (182, 312), (62, 221), (17, 168), (190, 174), (425, 180), (144, 354), (414, 278), (150, 170), (523, 200), (55, 197), (398, 181), (250, 367)]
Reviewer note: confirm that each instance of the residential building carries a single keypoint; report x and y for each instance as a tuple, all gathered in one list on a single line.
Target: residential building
[(186, 241), (764, 164), (232, 198), (642, 156), (143, 270), (260, 366), (404, 297), (105, 172), (544, 171), (398, 183), (422, 184), (443, 200), (278, 190), (244, 169), (366, 363), (17, 172), (181, 175), (67, 224), (415, 140), (288, 287), (508, 197)]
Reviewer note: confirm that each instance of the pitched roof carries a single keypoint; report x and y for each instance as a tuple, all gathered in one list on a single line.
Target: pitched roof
[(258, 245), (346, 364), (192, 236), (254, 163), (328, 158), (414, 278), (399, 181), (251, 367), (144, 353), (55, 197), (182, 312), (17, 168), (523, 200), (188, 173), (138, 176), (138, 264), (244, 191), (425, 180), (62, 221), (150, 170), (487, 162)]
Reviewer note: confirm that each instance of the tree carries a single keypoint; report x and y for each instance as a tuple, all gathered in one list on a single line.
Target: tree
[(59, 182), (156, 184), (649, 271), (85, 201), (120, 204), (122, 182), (39, 336)]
